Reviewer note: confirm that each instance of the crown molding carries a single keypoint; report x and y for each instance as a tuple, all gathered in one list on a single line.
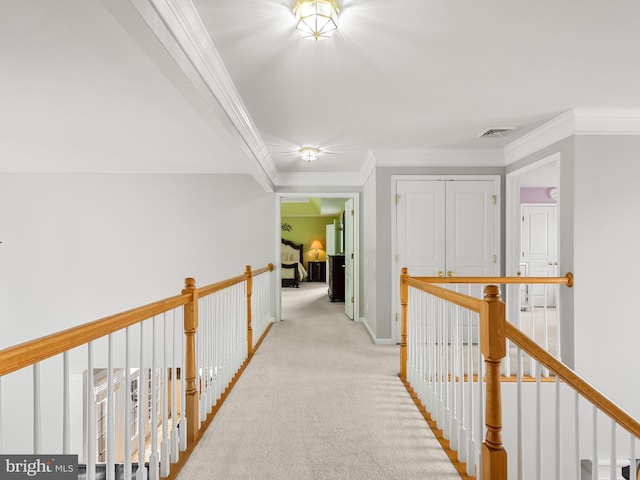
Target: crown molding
[(440, 157), (578, 121), (607, 122), (179, 27)]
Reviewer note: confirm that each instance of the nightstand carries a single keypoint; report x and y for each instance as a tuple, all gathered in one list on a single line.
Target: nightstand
[(317, 271)]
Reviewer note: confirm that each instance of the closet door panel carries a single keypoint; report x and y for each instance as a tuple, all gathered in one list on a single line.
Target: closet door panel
[(421, 226), (471, 249)]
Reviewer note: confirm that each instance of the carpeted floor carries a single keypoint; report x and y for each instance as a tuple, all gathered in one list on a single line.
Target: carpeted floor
[(318, 401)]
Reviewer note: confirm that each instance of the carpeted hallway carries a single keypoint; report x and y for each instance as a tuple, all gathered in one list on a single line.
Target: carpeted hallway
[(318, 401)]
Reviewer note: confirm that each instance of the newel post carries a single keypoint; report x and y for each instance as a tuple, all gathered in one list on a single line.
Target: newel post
[(404, 301), (191, 389), (494, 348), (247, 273)]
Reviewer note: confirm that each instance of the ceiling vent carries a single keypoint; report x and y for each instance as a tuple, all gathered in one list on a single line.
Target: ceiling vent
[(497, 131)]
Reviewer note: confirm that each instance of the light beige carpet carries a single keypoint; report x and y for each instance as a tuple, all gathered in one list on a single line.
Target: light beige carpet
[(319, 401)]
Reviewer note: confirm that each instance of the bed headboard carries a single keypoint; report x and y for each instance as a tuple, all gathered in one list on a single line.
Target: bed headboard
[(293, 248)]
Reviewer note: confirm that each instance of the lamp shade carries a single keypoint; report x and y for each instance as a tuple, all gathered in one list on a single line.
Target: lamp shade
[(316, 19), (316, 245)]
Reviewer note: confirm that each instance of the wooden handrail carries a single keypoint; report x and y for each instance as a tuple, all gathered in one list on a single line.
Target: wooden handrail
[(260, 271), (566, 280), (572, 379), (460, 299), (19, 356), (33, 351)]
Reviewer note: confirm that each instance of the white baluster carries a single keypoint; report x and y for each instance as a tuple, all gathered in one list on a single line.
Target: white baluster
[(90, 457), (520, 413), (66, 410), (613, 452), (462, 443), (111, 413), (141, 473), (176, 336), (594, 446), (164, 445), (37, 416), (128, 399), (576, 432), (1, 422), (632, 455), (154, 472), (471, 462), (546, 326), (538, 422)]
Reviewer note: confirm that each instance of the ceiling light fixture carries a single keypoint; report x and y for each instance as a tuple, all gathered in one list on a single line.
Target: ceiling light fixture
[(316, 19), (309, 154)]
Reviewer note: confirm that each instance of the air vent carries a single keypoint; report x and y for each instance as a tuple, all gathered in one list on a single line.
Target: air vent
[(497, 131)]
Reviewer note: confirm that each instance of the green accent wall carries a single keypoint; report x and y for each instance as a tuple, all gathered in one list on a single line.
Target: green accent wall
[(305, 230)]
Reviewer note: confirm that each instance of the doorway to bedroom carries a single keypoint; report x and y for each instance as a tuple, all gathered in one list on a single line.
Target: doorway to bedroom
[(317, 247)]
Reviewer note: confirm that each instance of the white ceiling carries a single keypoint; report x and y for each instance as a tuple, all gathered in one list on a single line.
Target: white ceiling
[(87, 86)]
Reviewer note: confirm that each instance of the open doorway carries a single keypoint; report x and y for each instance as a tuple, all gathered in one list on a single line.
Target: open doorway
[(533, 196), (319, 233)]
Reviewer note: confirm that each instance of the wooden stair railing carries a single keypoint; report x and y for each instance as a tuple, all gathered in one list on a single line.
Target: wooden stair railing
[(492, 344), (494, 332), (31, 353)]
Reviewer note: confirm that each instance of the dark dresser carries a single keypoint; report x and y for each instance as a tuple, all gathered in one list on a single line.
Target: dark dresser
[(335, 277)]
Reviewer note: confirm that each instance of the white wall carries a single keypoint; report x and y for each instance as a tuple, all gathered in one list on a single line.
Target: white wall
[(607, 262), (77, 247)]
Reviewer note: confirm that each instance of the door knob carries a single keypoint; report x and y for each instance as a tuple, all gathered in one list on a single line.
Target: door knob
[(550, 263), (440, 273), (450, 274)]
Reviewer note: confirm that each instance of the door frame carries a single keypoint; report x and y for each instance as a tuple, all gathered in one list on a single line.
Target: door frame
[(395, 283), (356, 245), (513, 225)]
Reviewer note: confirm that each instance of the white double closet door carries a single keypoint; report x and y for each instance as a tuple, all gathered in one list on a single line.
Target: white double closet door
[(446, 228)]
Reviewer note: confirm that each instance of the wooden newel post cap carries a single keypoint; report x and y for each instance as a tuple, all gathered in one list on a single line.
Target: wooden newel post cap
[(270, 266), (492, 293), (247, 270), (405, 271), (189, 283)]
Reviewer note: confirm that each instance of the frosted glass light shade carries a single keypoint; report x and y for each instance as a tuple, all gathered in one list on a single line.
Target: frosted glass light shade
[(316, 19), (309, 154)]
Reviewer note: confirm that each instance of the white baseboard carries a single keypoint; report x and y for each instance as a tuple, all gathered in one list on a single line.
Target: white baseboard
[(377, 341)]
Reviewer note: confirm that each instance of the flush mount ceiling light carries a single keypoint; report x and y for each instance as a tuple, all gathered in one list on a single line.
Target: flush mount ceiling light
[(309, 154), (316, 19)]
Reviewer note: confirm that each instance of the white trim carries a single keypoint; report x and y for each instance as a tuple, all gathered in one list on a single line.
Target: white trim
[(574, 122), (607, 122), (513, 224), (459, 157), (179, 27), (559, 128), (377, 341)]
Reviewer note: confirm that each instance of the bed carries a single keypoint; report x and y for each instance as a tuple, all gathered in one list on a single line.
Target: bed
[(293, 271)]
